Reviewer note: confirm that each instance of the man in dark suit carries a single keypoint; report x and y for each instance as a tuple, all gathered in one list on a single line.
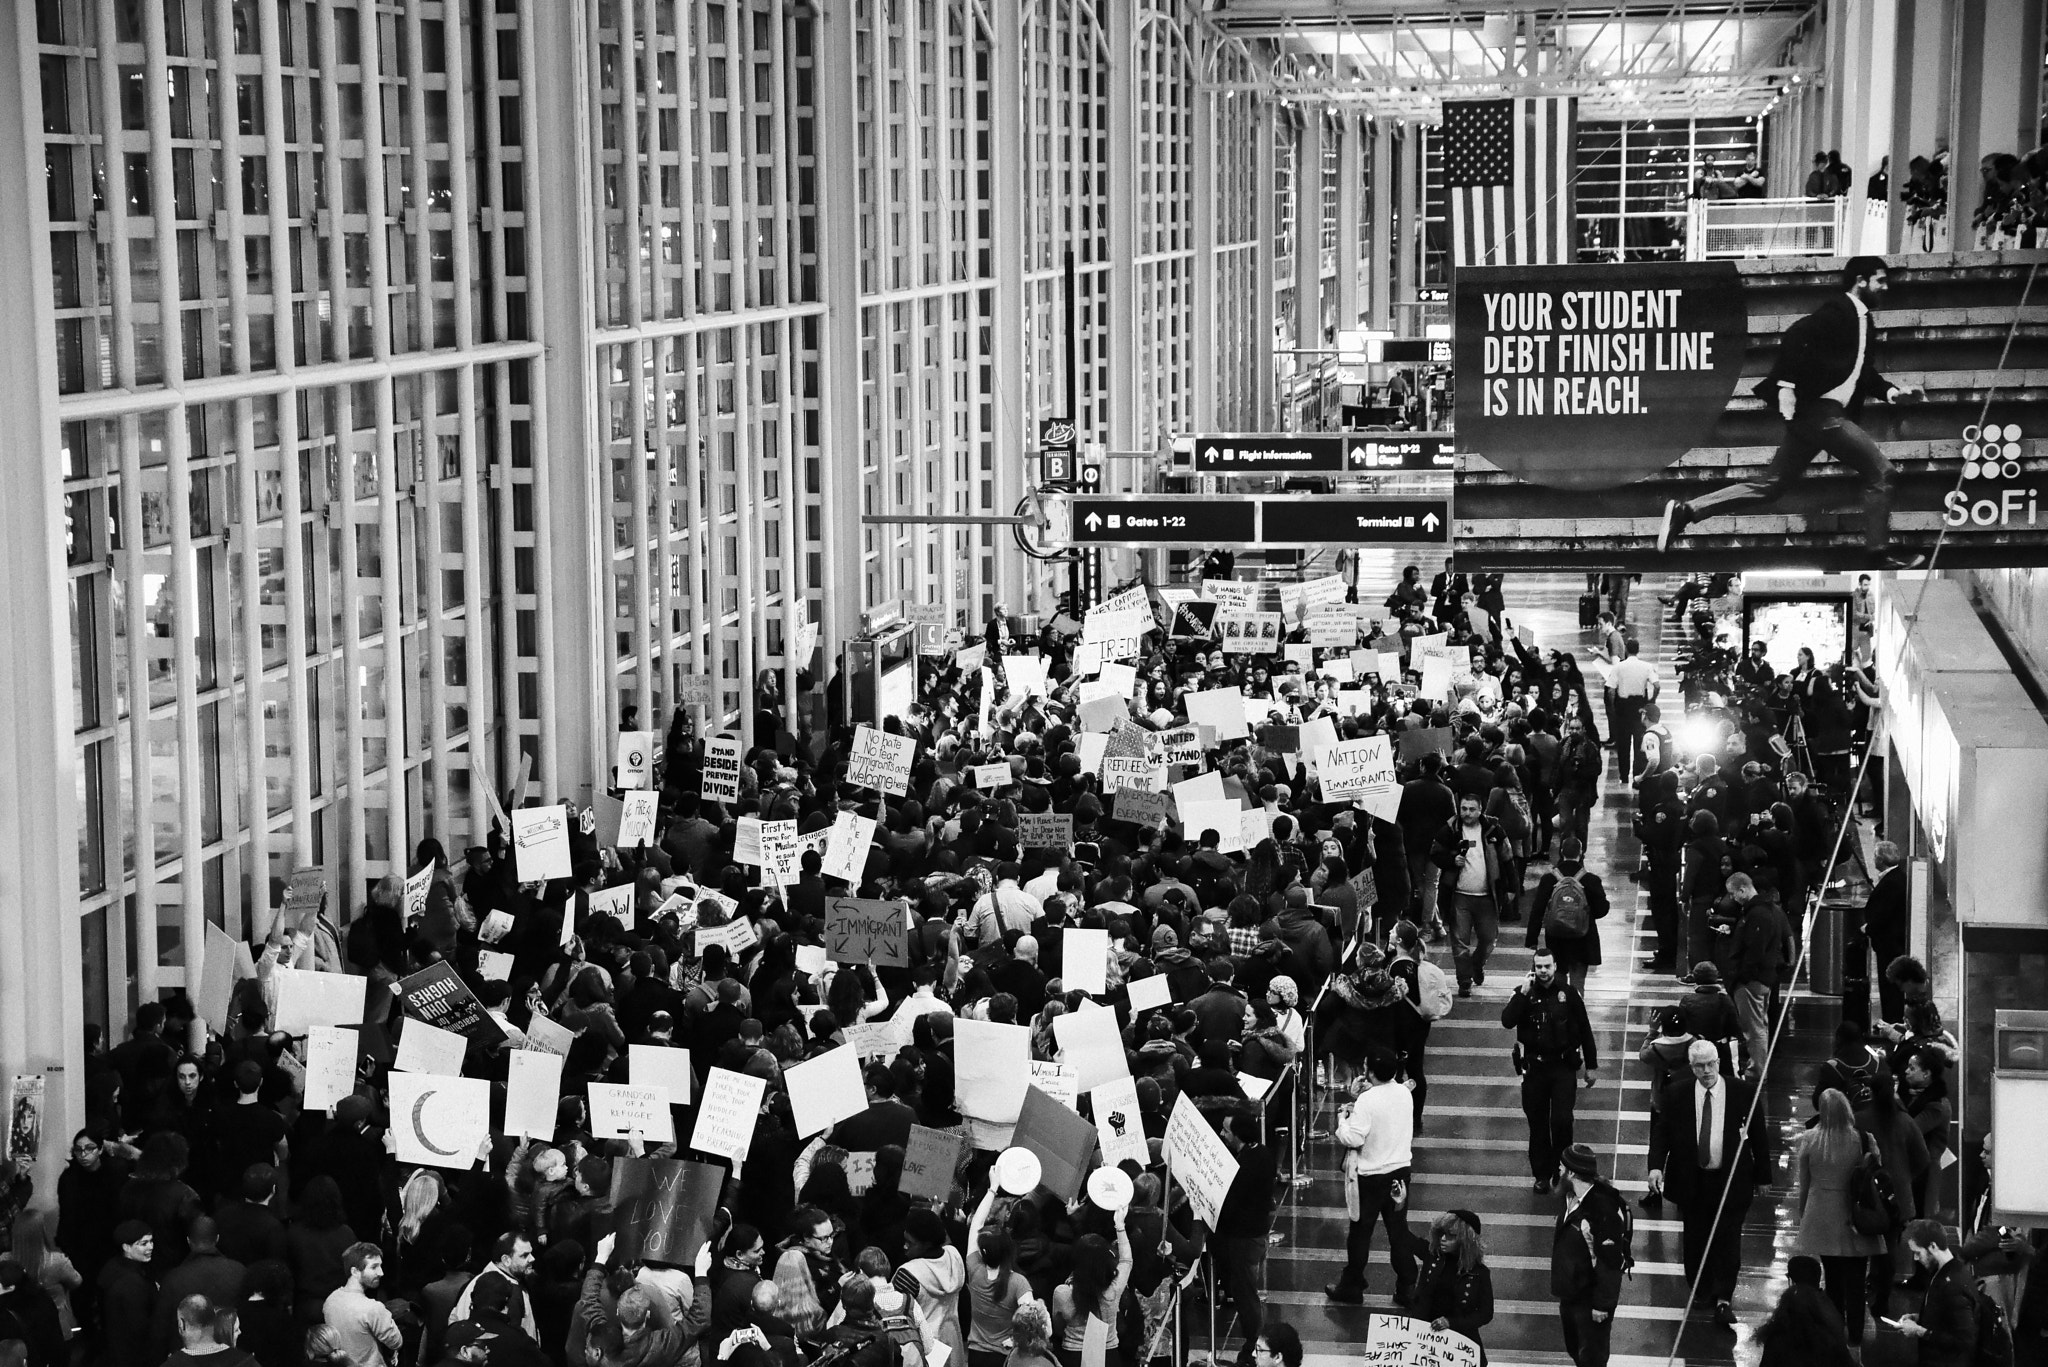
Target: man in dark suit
[(1704, 1142), (1885, 918), (1826, 369), (1449, 590)]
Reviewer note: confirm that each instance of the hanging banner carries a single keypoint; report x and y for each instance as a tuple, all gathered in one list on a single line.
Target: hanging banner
[(1739, 415)]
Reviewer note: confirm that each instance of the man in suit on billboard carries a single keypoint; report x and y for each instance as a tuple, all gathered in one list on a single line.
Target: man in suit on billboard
[(1826, 369), (1704, 1140)]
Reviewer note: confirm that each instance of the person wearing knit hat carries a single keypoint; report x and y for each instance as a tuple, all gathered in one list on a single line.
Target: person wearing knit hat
[(1589, 1253)]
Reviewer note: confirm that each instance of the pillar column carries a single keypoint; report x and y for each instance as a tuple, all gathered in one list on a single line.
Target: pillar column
[(1380, 285), (1120, 32), (577, 506), (1350, 196), (41, 988), (1204, 211), (1263, 264), (1995, 95), (1408, 243), (1308, 235), (1923, 41), (1006, 204)]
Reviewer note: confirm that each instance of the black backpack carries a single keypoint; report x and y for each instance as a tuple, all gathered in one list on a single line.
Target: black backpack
[(1994, 1338), (1874, 1206)]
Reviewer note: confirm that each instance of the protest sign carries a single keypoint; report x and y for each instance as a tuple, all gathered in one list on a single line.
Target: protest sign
[(417, 886), (1063, 1141), (1297, 654), (1201, 788), (781, 852), (1045, 830), (306, 999), (1084, 961), (1389, 666), (1355, 767), (633, 760), (424, 1048), (880, 760), (637, 817), (1146, 993), (988, 777), (533, 1091), (1410, 746), (439, 1121), (331, 1065), (216, 994), (969, 659), (438, 997), (1333, 630), (991, 1069), (930, 1161), (1057, 1081), (694, 690), (663, 1208), (825, 1090), (1141, 808), (1195, 621), (1199, 1159), (494, 966), (1089, 748), (1436, 678), (1106, 625), (726, 1115), (862, 930), (1222, 708), (1090, 1045), (1123, 678), (1101, 710), (1181, 745), (1339, 669), (1401, 1341), (1253, 825), (746, 841), (661, 1067), (721, 776), (873, 1039), (540, 843), (812, 959), (1316, 737), (1123, 771), (1196, 818), (616, 903), (1119, 1127), (617, 1110), (846, 848), (1232, 593), (549, 1036), (736, 936), (495, 926)]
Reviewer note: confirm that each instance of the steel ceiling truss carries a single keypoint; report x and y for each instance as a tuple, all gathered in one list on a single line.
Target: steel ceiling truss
[(1624, 59)]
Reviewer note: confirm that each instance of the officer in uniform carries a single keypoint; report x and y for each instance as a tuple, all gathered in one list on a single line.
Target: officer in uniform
[(1553, 1043)]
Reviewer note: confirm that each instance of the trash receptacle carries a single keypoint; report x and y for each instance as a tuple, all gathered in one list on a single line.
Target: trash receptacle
[(1832, 924)]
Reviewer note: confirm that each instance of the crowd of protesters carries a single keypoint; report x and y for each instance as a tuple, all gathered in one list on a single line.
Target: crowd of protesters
[(207, 1213)]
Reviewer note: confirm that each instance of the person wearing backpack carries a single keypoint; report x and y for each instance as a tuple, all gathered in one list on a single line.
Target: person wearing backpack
[(1825, 1164), (1568, 903), (1945, 1328), (1429, 997), (1553, 1043), (1590, 1252)]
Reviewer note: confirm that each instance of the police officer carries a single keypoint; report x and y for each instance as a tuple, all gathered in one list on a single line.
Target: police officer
[(1589, 1252), (1553, 1046)]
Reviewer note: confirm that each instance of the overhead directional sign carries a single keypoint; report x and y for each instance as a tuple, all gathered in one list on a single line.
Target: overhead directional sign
[(1354, 521), (1322, 453), (1252, 520), (1166, 518)]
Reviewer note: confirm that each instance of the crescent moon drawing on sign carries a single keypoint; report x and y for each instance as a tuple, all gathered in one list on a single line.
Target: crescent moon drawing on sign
[(419, 1130)]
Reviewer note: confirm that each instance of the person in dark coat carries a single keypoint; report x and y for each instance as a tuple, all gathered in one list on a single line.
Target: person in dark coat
[(204, 1272), (128, 1299), (1824, 372), (1945, 1326), (265, 1327), (1575, 954), (1805, 1330), (1454, 1289), (1694, 1164), (1884, 926), (88, 1208)]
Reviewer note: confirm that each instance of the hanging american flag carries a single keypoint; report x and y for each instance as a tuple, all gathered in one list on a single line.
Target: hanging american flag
[(1508, 174)]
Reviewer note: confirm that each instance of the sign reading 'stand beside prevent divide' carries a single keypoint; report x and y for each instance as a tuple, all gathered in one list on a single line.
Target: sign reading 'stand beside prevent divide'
[(1740, 415)]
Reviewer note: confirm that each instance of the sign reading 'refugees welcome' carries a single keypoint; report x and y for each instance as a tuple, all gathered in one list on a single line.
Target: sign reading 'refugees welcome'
[(1591, 377)]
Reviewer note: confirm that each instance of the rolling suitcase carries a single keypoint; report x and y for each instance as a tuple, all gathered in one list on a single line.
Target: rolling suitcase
[(1589, 611)]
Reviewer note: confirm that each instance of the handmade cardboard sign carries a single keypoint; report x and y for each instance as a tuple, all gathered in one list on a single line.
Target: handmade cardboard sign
[(862, 930), (663, 1208)]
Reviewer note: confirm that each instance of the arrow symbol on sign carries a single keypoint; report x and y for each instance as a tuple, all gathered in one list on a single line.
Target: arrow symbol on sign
[(1431, 521), (1093, 522)]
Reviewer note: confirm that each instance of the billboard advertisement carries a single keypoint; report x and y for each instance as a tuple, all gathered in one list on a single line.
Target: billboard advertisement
[(1802, 412)]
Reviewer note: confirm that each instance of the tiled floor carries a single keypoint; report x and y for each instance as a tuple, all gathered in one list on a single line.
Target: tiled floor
[(1473, 1154)]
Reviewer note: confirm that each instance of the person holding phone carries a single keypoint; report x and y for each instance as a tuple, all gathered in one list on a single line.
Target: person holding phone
[(1944, 1329)]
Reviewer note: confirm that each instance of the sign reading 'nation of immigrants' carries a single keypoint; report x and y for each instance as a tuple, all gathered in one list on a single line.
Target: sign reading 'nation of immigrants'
[(1723, 415)]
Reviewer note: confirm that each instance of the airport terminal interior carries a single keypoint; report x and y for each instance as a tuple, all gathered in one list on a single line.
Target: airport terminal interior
[(711, 579)]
